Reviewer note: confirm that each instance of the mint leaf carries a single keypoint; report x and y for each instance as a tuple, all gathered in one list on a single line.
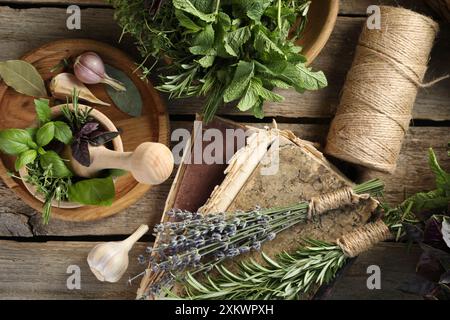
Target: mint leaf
[(189, 7), (51, 160), (254, 9), (187, 22), (241, 78), (43, 111), (98, 192), (63, 132), (15, 141), (267, 49), (25, 158), (307, 79), (45, 134), (208, 60), (234, 40), (249, 99), (204, 41)]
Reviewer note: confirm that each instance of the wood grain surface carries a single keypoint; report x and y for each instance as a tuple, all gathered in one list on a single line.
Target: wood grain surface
[(37, 269)]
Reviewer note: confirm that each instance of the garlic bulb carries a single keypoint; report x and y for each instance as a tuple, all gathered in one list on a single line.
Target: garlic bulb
[(89, 68), (109, 261), (63, 84)]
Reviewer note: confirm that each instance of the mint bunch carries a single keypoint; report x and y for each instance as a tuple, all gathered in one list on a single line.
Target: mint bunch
[(229, 51)]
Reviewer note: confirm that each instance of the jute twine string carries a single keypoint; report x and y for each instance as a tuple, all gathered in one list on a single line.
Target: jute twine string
[(333, 200), (381, 87), (363, 238)]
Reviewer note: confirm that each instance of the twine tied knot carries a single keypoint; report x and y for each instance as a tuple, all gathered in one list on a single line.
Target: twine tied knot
[(334, 200), (363, 238)]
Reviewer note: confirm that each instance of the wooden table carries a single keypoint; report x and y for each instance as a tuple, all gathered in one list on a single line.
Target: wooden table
[(34, 258)]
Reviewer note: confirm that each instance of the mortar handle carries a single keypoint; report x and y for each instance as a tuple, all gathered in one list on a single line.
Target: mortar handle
[(151, 163)]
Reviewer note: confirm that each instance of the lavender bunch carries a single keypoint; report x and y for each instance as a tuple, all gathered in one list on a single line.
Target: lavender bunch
[(195, 242)]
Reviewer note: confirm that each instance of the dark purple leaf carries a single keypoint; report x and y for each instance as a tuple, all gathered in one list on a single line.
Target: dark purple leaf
[(88, 128), (432, 234), (442, 256), (413, 233), (445, 278), (80, 152), (418, 286), (102, 138), (429, 267)]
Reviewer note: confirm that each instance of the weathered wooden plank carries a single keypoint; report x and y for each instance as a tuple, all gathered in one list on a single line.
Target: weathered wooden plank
[(359, 7), (397, 266), (39, 271), (347, 7), (335, 60), (412, 175)]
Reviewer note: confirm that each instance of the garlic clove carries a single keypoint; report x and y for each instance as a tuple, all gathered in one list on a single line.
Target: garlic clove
[(109, 261), (63, 84)]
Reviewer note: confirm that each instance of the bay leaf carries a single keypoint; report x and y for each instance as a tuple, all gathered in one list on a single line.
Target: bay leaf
[(23, 77), (129, 101)]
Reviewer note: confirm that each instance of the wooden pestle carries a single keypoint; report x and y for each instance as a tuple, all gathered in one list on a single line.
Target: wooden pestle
[(151, 163)]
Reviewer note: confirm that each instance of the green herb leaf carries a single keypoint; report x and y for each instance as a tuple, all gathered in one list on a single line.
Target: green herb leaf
[(234, 40), (45, 134), (187, 22), (23, 77), (305, 78), (63, 132), (203, 42), (442, 177), (51, 160), (15, 141), (266, 47), (189, 7), (129, 101), (43, 110), (25, 158), (93, 192), (241, 79)]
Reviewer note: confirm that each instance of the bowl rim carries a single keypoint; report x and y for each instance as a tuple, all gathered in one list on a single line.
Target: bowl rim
[(57, 111)]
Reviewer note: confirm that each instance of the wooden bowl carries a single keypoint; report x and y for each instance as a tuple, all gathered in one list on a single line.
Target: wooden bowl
[(322, 17), (17, 111), (104, 122)]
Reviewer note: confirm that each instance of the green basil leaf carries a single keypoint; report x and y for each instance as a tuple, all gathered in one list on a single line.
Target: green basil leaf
[(97, 191), (23, 77), (45, 134), (53, 160), (63, 132), (241, 78), (25, 158), (14, 141), (43, 110)]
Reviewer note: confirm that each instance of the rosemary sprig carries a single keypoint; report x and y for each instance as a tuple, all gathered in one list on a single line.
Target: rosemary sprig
[(286, 278)]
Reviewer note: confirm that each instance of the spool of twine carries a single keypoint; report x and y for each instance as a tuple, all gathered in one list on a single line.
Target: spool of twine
[(363, 238), (377, 99)]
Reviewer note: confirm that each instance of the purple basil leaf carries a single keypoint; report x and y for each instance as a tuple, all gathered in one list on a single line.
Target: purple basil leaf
[(413, 233), (432, 234), (442, 256), (102, 138), (88, 128), (80, 152), (418, 286), (429, 267), (445, 278)]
